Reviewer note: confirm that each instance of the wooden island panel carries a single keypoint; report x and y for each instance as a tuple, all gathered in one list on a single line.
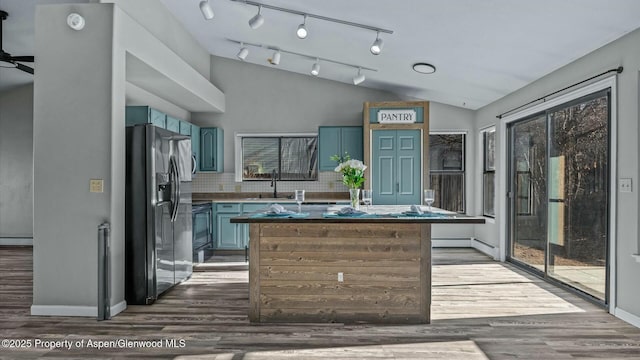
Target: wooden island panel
[(293, 272)]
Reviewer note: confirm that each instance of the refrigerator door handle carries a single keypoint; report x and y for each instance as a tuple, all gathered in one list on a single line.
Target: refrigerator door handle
[(175, 188)]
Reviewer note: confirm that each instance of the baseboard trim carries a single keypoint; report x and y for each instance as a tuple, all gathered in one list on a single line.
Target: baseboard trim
[(81, 311), (118, 308), (16, 241), (485, 248), (64, 310), (438, 243), (628, 317)]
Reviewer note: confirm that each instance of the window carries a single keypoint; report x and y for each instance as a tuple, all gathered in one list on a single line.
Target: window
[(291, 157), (447, 167), (489, 172)]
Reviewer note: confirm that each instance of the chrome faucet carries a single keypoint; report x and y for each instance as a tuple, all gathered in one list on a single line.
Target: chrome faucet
[(274, 183)]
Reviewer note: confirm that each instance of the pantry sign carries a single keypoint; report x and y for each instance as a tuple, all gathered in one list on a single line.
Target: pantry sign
[(404, 116)]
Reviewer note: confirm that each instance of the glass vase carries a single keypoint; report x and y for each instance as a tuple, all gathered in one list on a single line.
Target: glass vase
[(354, 196)]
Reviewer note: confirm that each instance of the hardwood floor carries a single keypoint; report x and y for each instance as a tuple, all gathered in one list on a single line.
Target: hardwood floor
[(481, 309)]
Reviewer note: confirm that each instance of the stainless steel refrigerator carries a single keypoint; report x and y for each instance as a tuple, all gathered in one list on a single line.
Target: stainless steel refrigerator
[(158, 212)]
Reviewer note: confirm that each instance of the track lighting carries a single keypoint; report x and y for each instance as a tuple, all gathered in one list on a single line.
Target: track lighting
[(302, 29), (376, 47), (315, 69), (358, 78), (302, 32), (275, 59), (206, 10), (257, 21), (242, 54)]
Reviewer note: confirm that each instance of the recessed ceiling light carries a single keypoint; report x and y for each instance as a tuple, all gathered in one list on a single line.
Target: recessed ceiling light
[(424, 68)]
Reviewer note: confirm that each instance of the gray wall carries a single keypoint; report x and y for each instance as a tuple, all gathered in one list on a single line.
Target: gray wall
[(262, 99), (156, 19), (16, 162), (80, 93), (625, 52), (72, 141)]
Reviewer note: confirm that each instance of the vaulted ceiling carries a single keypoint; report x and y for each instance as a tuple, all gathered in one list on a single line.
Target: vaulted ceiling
[(482, 49)]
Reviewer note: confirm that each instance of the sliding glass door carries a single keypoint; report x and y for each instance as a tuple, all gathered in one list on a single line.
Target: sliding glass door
[(559, 193)]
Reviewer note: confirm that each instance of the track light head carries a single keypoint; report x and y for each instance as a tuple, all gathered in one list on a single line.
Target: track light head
[(359, 78), (302, 29), (315, 69), (206, 10), (275, 59), (376, 47), (257, 21), (243, 53)]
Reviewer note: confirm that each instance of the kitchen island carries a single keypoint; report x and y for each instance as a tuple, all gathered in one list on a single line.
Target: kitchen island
[(322, 267)]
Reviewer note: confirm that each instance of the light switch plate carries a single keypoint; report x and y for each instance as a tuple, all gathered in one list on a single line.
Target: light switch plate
[(625, 185), (96, 185)]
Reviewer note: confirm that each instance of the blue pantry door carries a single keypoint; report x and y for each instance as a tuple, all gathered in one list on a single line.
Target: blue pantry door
[(396, 167)]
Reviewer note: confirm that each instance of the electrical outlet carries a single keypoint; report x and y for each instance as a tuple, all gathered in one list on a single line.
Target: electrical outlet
[(340, 277), (625, 185), (238, 188), (331, 186), (220, 187)]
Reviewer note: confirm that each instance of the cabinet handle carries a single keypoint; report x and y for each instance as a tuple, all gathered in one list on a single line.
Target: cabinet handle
[(397, 187)]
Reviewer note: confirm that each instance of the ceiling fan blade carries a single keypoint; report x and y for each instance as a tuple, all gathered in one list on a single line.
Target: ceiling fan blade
[(24, 68), (23, 58)]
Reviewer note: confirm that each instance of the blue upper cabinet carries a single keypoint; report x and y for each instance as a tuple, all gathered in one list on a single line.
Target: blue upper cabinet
[(173, 124), (195, 144), (185, 128), (144, 115), (212, 149), (334, 140)]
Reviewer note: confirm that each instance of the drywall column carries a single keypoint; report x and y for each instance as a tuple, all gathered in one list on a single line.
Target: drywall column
[(72, 129)]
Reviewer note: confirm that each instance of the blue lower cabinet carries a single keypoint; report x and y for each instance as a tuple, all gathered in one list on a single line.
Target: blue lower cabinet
[(234, 236), (229, 235)]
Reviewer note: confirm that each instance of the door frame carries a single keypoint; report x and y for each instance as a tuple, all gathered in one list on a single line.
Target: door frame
[(609, 82), (368, 128)]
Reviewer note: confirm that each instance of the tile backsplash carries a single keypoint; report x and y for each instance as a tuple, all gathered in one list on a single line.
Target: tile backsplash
[(206, 182)]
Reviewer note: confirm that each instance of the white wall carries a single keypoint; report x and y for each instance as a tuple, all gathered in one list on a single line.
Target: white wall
[(625, 52), (16, 163)]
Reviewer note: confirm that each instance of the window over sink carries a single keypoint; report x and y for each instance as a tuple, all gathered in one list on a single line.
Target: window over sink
[(293, 157)]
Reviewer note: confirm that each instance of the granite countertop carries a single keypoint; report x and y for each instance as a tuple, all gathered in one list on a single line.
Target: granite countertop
[(376, 214), (284, 197)]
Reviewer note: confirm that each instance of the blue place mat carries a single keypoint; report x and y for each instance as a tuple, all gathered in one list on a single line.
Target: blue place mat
[(338, 216), (416, 215), (280, 216)]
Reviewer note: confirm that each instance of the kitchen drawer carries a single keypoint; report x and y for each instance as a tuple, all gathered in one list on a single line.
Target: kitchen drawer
[(228, 207)]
